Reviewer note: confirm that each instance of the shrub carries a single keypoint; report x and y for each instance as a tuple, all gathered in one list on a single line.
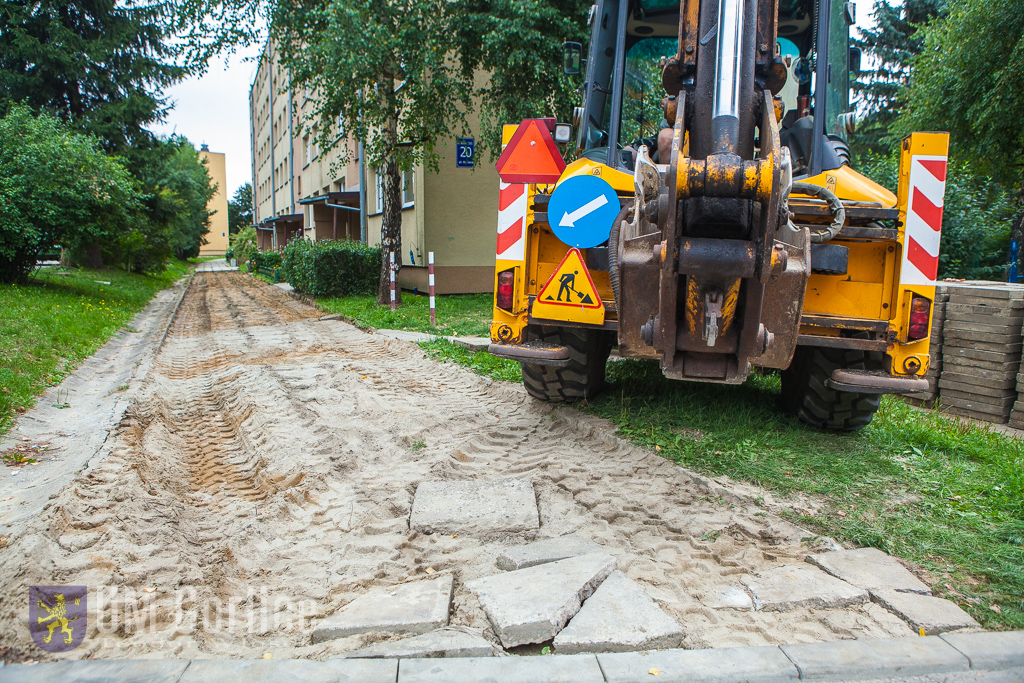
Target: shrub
[(266, 259), (332, 267), (243, 245)]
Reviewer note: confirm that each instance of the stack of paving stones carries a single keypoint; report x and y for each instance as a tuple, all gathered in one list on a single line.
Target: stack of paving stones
[(1017, 414), (927, 398), (981, 352)]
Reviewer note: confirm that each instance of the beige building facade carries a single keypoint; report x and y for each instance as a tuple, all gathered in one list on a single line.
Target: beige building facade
[(301, 191), (217, 238)]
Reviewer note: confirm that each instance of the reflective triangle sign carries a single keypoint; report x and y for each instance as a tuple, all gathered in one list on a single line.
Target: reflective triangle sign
[(570, 294), (531, 156)]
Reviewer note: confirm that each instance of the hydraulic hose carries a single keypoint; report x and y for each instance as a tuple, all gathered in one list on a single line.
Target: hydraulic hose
[(834, 204), (613, 251)]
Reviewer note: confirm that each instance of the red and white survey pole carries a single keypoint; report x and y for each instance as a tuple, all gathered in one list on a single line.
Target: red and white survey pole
[(391, 256), (430, 280)]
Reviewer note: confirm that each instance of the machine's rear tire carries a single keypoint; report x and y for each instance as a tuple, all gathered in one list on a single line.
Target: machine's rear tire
[(805, 394), (583, 378)]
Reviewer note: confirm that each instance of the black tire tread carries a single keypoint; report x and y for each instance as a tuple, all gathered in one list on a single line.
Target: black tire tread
[(582, 379), (806, 395)]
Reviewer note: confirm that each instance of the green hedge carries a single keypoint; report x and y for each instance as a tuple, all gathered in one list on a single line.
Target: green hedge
[(266, 259), (332, 267)]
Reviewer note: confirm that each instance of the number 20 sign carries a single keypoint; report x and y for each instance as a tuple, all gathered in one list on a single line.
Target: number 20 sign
[(464, 149)]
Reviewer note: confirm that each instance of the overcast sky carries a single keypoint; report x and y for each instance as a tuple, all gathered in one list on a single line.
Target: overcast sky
[(214, 108)]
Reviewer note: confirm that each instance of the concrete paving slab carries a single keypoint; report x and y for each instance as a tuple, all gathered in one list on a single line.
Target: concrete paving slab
[(978, 377), (859, 659), (990, 650), (932, 614), (725, 665), (291, 671), (474, 507), (1004, 356), (619, 617), (548, 550), (532, 605), (979, 387), (285, 286), (987, 310), (734, 597), (415, 607), (96, 671), (553, 669), (789, 587), (445, 642), (870, 569)]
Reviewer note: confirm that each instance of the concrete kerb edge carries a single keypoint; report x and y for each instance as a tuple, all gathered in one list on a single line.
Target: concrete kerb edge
[(484, 668)]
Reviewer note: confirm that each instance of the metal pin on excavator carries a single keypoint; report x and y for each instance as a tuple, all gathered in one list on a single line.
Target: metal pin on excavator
[(744, 238)]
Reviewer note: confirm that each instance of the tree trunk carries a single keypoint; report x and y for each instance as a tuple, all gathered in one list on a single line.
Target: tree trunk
[(391, 221)]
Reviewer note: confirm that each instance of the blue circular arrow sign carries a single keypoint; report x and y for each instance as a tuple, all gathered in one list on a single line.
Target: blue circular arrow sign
[(581, 211)]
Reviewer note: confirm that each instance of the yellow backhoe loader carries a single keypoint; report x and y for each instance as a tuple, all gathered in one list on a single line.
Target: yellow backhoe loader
[(710, 219)]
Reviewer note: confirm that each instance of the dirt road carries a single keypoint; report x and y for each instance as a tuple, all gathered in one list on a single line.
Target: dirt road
[(264, 474)]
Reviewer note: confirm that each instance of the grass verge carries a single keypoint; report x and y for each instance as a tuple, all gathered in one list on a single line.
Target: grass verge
[(457, 315), (944, 494), (58, 319)]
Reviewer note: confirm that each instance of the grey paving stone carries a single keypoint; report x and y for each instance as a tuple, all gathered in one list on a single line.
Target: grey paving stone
[(291, 671), (934, 615), (415, 607), (725, 665), (858, 659), (474, 507), (868, 568), (532, 605), (285, 286), (445, 642), (96, 671), (789, 587), (619, 617), (950, 351), (553, 669), (990, 650), (979, 387), (548, 550)]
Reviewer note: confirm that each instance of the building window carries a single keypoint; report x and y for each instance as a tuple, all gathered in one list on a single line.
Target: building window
[(408, 195), (308, 149), (378, 178)]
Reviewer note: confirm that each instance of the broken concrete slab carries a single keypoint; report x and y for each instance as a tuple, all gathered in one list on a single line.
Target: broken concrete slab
[(734, 597), (933, 615), (532, 605), (790, 587), (870, 569), (619, 617), (548, 550), (474, 507), (445, 642), (415, 607)]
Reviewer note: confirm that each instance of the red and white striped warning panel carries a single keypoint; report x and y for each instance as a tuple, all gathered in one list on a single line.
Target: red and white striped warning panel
[(511, 222), (924, 220)]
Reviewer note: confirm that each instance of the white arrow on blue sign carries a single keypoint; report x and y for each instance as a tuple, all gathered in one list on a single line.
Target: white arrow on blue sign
[(581, 211)]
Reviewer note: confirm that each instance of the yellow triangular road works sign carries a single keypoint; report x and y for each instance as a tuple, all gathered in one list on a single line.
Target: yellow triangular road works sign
[(570, 294)]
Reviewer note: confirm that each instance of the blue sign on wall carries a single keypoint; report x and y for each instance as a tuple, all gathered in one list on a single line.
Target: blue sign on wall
[(581, 211), (464, 150)]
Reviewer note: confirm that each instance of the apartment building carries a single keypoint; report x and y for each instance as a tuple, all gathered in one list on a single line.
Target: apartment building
[(303, 192), (217, 237)]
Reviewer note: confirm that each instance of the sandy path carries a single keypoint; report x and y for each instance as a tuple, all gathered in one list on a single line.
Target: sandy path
[(264, 474)]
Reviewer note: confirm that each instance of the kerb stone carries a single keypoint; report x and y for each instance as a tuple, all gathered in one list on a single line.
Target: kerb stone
[(619, 617), (84, 670), (990, 650), (474, 507), (791, 587), (416, 607), (548, 550), (445, 642), (850, 660), (868, 568), (290, 671), (934, 615), (553, 669), (532, 605), (725, 665)]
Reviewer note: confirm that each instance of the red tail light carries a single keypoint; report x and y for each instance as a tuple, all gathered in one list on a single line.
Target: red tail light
[(920, 312), (506, 285)]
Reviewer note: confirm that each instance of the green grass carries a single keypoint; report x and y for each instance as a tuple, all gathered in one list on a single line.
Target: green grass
[(457, 314), (50, 325), (944, 494)]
